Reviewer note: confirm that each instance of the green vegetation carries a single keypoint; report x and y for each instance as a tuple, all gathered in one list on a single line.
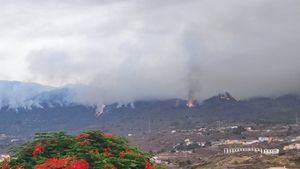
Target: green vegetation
[(89, 150), (296, 161), (238, 130)]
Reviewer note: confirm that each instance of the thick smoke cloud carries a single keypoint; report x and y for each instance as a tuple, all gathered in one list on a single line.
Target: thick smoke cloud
[(129, 50)]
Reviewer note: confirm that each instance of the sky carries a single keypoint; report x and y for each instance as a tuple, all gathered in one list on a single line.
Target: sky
[(125, 50)]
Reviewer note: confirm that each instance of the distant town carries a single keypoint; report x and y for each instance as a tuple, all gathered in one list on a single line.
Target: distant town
[(202, 146)]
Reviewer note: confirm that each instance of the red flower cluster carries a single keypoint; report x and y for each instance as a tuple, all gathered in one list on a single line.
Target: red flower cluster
[(127, 151), (4, 165), (64, 163), (78, 164), (83, 135), (107, 152), (85, 142), (38, 149), (123, 153), (148, 165), (108, 135), (53, 163)]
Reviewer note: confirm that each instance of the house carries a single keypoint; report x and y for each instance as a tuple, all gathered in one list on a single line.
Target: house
[(295, 139), (202, 144), (295, 146), (249, 128), (217, 143), (249, 142), (271, 151), (233, 142), (188, 142), (264, 139)]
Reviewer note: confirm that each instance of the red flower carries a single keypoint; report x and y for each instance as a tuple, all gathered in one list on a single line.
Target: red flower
[(64, 163), (38, 149), (107, 152), (127, 151), (85, 142), (148, 165), (83, 135), (78, 164), (4, 165), (53, 163), (108, 135), (122, 154)]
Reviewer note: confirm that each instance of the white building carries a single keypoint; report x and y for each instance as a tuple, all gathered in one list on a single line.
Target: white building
[(251, 149), (249, 142), (188, 142), (264, 139), (271, 151), (244, 149), (292, 147)]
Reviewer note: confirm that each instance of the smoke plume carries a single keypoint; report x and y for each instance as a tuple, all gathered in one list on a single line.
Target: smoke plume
[(122, 51)]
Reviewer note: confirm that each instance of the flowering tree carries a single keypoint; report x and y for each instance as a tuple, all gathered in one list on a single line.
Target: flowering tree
[(89, 150)]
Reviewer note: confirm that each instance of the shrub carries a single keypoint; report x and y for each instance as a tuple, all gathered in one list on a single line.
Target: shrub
[(88, 150)]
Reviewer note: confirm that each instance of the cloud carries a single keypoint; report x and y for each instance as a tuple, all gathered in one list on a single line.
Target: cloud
[(129, 50)]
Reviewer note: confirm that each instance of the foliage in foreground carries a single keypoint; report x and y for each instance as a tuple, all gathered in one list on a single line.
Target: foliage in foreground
[(89, 150)]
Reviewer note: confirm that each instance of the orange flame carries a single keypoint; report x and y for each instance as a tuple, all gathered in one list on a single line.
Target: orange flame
[(190, 104)]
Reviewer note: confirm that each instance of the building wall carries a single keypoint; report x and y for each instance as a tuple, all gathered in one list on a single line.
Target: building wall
[(251, 149)]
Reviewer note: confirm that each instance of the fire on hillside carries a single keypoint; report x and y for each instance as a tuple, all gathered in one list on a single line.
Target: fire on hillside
[(191, 103)]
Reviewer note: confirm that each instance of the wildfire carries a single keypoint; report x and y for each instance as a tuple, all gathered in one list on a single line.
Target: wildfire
[(190, 103)]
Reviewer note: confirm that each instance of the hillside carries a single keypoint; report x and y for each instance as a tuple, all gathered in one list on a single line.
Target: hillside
[(145, 115)]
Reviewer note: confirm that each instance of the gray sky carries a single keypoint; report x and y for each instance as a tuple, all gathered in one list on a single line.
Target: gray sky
[(141, 49)]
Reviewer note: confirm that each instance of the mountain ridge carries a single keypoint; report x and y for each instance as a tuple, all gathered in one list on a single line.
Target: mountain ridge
[(59, 113)]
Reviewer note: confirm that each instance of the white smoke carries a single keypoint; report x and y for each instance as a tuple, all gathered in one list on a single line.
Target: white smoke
[(15, 94), (122, 51)]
